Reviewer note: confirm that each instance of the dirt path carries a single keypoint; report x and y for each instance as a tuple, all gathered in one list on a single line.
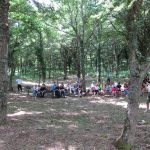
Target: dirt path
[(88, 123)]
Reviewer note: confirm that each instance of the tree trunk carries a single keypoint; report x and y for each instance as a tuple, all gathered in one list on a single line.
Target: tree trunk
[(65, 70), (99, 62), (127, 138), (42, 62), (82, 64), (77, 64), (40, 58), (12, 73), (4, 4)]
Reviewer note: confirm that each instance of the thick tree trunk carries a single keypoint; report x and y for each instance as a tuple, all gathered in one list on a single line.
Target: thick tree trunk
[(127, 138), (3, 58)]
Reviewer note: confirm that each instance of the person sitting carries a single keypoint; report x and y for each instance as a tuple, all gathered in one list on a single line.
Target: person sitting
[(75, 88), (68, 89), (96, 89), (113, 90), (119, 89), (93, 88), (43, 90), (53, 89), (57, 92), (107, 89), (62, 90), (80, 90), (35, 90), (126, 89)]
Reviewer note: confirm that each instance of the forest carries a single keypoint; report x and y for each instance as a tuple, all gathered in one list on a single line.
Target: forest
[(91, 40)]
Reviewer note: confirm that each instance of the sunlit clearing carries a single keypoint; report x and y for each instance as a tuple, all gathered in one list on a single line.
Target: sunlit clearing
[(54, 126), (70, 113), (29, 83), (14, 94), (71, 147), (111, 101), (20, 113), (72, 126), (61, 146), (117, 102), (2, 142), (142, 105), (57, 146), (65, 121), (22, 96)]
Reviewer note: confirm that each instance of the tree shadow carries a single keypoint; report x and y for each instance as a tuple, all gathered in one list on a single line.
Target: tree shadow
[(86, 123)]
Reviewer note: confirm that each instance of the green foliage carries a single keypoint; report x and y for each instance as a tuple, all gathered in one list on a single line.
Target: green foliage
[(99, 24)]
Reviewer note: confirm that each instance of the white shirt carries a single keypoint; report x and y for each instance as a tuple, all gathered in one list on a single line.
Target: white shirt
[(148, 88), (19, 81)]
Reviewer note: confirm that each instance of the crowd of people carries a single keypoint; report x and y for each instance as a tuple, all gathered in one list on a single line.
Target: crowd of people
[(63, 90), (58, 90), (106, 88), (109, 88)]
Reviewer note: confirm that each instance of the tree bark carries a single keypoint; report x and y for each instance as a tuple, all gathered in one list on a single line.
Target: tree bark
[(4, 5), (99, 62), (40, 58), (82, 64), (127, 138), (12, 73)]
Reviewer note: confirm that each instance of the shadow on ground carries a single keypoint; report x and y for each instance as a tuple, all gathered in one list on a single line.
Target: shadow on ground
[(72, 123)]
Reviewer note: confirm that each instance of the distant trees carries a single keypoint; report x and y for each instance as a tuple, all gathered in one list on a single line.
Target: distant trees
[(4, 4), (84, 29), (80, 37)]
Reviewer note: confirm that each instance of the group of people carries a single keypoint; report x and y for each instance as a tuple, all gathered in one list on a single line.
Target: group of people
[(38, 90), (111, 88), (57, 90)]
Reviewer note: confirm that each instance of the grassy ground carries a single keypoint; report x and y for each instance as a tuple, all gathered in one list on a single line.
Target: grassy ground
[(72, 123)]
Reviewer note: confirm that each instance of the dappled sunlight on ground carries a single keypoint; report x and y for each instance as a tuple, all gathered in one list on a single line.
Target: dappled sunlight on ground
[(72, 126), (22, 96), (20, 113), (54, 126), (70, 113), (118, 102), (72, 123), (14, 94), (60, 146), (113, 101), (142, 105)]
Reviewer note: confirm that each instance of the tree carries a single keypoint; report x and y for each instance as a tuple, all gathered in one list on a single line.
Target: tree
[(4, 5), (138, 70)]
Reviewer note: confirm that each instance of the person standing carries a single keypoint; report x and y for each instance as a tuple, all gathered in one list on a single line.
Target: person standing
[(148, 98), (19, 85)]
